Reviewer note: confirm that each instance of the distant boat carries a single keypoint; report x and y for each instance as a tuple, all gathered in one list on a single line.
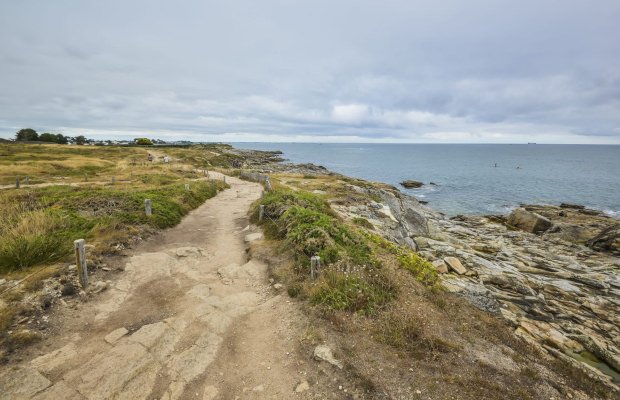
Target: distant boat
[(531, 143)]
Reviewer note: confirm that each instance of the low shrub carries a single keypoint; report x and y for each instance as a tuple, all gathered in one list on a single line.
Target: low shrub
[(363, 222), (358, 291), (352, 278)]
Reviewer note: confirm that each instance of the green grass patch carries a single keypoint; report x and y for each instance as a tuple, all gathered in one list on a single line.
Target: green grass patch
[(352, 279), (422, 269), (363, 222), (359, 291), (42, 229)]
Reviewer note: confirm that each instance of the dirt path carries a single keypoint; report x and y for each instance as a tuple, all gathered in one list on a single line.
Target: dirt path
[(189, 317)]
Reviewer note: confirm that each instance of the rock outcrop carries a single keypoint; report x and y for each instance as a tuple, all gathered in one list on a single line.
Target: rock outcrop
[(528, 221), (550, 287), (409, 184), (608, 240)]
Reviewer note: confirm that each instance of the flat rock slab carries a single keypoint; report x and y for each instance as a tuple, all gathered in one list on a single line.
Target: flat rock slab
[(455, 265), (115, 335), (57, 358), (189, 252), (23, 383)]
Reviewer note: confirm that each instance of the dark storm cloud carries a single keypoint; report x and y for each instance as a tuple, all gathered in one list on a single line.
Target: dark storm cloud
[(480, 71)]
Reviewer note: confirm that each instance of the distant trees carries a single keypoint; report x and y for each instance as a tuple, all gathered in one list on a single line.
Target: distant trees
[(80, 140), (53, 138), (29, 135), (26, 134), (144, 142)]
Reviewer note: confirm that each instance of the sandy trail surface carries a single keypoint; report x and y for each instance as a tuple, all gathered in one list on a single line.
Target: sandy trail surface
[(189, 318)]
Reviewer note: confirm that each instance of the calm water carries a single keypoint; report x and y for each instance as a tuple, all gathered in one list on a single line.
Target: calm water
[(468, 181)]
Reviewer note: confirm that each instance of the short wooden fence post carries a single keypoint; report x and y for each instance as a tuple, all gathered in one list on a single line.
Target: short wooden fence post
[(132, 176), (113, 180), (261, 212), (28, 179), (262, 194), (17, 183), (224, 178), (80, 260), (85, 177), (212, 183), (315, 266), (147, 206), (187, 186)]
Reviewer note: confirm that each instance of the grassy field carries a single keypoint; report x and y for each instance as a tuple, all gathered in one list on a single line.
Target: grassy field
[(40, 220)]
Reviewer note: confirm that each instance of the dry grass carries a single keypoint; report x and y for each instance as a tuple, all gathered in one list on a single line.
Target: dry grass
[(6, 317)]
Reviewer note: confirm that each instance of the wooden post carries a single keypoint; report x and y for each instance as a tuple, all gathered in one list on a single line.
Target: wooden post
[(113, 180), (268, 183), (27, 179), (80, 260), (132, 176), (224, 178), (17, 183), (212, 183), (262, 194), (204, 172), (147, 206), (85, 177), (261, 212), (187, 186), (315, 266)]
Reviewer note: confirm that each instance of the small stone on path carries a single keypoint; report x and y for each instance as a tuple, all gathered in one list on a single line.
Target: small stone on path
[(302, 387), (116, 335), (253, 237), (324, 353)]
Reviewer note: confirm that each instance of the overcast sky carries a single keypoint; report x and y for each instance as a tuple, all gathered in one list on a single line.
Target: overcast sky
[(492, 71)]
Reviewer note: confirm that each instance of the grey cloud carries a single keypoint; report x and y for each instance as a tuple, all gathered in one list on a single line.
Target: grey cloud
[(406, 70)]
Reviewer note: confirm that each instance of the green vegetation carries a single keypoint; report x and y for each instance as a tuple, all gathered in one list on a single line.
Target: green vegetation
[(40, 225), (363, 222), (423, 270), (352, 278), (26, 134), (144, 142)]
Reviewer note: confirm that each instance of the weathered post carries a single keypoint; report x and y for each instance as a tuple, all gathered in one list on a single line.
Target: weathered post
[(85, 177), (224, 178), (147, 206), (132, 175), (17, 183), (28, 179), (113, 180), (212, 183), (268, 183), (261, 212), (80, 260), (262, 194), (315, 266), (187, 186)]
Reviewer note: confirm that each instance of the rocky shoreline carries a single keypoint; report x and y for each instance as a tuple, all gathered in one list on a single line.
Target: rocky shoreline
[(552, 272)]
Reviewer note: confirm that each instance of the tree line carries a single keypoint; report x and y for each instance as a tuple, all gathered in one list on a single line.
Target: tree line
[(30, 135)]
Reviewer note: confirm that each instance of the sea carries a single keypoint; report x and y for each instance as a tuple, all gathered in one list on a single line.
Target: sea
[(476, 178)]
